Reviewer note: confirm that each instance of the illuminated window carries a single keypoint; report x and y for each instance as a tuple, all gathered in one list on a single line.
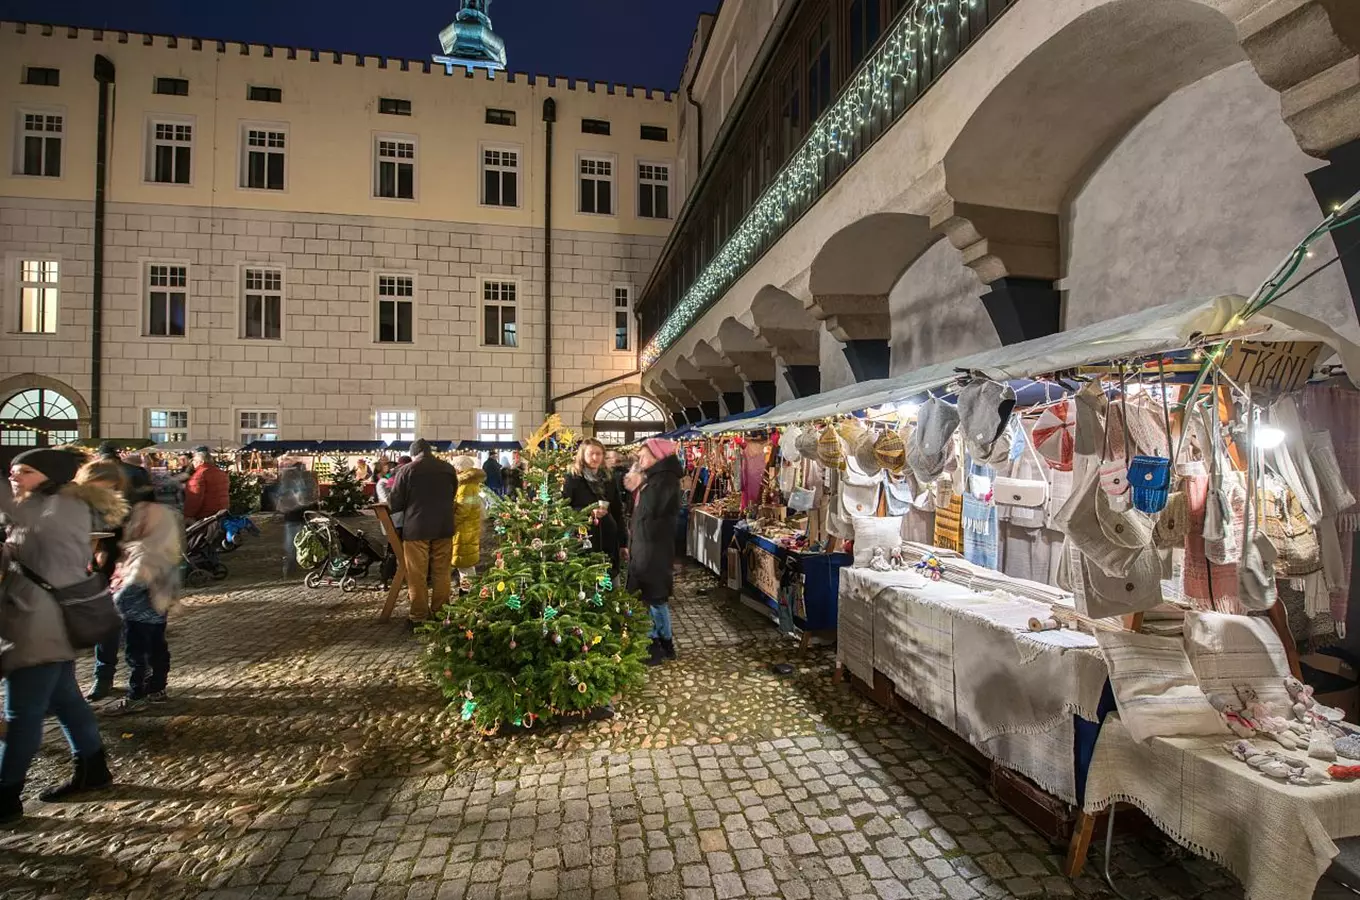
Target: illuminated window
[(500, 314), (258, 425), (496, 426), (39, 288), (623, 317), (395, 425), (165, 425)]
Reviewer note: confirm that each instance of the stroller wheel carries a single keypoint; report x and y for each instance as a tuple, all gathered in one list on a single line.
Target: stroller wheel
[(219, 572), (197, 577), (228, 546), (313, 580), (349, 584)]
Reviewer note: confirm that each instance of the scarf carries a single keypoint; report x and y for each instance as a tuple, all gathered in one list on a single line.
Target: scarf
[(597, 480)]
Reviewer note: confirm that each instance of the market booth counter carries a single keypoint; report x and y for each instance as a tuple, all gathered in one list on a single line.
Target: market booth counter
[(708, 535), (799, 586), (1162, 672)]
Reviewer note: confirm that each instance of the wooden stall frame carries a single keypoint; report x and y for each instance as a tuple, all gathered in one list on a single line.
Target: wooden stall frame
[(384, 514)]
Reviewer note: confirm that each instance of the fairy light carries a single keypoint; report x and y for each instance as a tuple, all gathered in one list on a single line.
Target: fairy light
[(868, 96)]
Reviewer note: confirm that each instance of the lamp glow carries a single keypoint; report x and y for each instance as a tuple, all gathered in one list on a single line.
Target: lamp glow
[(1268, 437), (907, 410)]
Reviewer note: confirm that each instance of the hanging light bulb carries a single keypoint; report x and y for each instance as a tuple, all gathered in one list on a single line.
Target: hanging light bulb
[(1268, 437), (907, 410)]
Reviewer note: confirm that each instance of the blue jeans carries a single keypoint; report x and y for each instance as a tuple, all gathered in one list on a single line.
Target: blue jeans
[(106, 657), (32, 693), (661, 621), (290, 533)]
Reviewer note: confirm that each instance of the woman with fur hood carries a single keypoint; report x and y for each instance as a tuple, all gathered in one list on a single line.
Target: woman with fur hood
[(467, 519), (49, 519)]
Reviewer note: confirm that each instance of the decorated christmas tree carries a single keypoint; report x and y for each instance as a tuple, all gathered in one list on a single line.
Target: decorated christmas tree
[(546, 631), (346, 496)]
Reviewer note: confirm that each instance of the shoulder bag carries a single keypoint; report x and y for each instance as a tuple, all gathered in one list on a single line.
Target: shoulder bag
[(87, 608), (1026, 492)]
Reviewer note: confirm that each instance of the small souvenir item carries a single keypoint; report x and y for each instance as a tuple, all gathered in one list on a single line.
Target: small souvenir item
[(561, 556), (1150, 479), (930, 565)]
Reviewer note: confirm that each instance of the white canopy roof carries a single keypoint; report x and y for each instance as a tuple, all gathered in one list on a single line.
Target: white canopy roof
[(1159, 329)]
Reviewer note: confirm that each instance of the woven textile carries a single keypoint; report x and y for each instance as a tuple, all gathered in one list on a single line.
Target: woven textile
[(1206, 585), (1231, 651), (1276, 838), (1336, 408), (1155, 688)]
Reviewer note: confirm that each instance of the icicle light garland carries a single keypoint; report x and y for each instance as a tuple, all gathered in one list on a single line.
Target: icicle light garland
[(867, 96)]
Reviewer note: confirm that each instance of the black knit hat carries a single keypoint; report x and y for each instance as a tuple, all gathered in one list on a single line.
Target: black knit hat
[(107, 450), (60, 466)]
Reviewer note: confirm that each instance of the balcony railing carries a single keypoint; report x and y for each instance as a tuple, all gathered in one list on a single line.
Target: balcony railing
[(924, 40)]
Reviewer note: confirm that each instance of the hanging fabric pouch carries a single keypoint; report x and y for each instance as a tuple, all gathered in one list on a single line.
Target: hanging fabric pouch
[(801, 499), (1173, 525), (1256, 574), (1126, 528), (1150, 479)]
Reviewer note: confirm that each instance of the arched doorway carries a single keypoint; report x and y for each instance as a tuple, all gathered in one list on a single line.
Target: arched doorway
[(38, 417), (629, 418)]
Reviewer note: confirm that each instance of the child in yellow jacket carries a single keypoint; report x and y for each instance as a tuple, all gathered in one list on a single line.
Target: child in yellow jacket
[(467, 518)]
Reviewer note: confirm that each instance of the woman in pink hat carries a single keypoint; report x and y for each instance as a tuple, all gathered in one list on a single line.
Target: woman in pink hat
[(652, 541)]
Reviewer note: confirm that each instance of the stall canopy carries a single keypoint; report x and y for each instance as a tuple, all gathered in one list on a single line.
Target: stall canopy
[(348, 447), (1159, 329), (191, 446), (278, 448)]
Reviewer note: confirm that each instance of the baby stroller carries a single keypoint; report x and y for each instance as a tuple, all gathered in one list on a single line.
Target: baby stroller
[(202, 543), (234, 529), (336, 555)]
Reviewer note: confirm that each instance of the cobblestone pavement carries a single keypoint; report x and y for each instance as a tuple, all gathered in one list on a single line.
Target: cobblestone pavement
[(303, 755)]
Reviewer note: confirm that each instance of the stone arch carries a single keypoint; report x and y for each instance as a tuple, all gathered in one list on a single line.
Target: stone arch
[(16, 383), (867, 257), (1051, 117), (613, 392)]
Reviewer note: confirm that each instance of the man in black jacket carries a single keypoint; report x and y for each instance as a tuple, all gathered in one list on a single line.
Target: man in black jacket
[(424, 491)]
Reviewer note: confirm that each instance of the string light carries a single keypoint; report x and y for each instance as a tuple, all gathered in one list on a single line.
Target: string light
[(868, 96)]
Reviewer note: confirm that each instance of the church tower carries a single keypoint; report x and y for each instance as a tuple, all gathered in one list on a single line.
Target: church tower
[(469, 41)]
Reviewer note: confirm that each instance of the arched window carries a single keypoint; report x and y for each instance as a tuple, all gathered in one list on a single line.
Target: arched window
[(624, 420), (38, 417)]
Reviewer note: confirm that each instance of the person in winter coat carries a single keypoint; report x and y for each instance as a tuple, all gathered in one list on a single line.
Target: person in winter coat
[(619, 466), (590, 485), (209, 489), (297, 495), (137, 478), (108, 474), (49, 519), (424, 493), (651, 547), (146, 585), (467, 517), (492, 468), (383, 489)]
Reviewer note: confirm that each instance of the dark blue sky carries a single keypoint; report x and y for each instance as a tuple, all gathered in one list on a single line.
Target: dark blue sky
[(630, 41)]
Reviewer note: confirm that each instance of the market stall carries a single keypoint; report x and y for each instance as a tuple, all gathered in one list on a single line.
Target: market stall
[(1142, 520)]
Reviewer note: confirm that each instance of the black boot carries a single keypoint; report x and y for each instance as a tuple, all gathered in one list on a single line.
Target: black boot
[(668, 647), (102, 688), (91, 773), (658, 656), (11, 807)]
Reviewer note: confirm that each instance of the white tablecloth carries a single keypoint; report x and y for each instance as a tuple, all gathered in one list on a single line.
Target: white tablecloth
[(704, 540), (968, 660), (1277, 838)]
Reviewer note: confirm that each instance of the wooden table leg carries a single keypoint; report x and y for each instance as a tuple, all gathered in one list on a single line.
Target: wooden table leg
[(804, 643), (399, 580), (1080, 845), (838, 674)]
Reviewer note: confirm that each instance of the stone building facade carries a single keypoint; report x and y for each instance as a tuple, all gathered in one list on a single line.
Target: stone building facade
[(319, 246)]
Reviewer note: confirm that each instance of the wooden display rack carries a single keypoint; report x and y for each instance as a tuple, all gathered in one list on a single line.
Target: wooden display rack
[(384, 514)]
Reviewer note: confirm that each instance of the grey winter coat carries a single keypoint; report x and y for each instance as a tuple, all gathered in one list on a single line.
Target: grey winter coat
[(423, 491), (50, 534)]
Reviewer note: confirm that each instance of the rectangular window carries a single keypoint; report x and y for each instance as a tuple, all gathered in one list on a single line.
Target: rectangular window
[(865, 25), (40, 76), (391, 106), (164, 425), (500, 308), (264, 159), (175, 87), (39, 151), (654, 191), (500, 116), (258, 425), (819, 70), (495, 426), (171, 152), (597, 186), (594, 126), (167, 296), (500, 177), (655, 133), (264, 94), (39, 287), (396, 309), (393, 425), (396, 175), (623, 318), (262, 304)]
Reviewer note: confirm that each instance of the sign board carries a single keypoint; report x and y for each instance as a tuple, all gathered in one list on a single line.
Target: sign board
[(1272, 365), (764, 572)]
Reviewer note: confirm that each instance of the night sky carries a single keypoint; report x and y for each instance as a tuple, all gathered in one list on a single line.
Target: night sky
[(641, 42)]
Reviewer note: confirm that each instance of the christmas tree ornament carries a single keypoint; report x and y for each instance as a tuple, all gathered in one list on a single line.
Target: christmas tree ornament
[(586, 544), (596, 639), (469, 707), (513, 644), (556, 638), (470, 653), (581, 595), (485, 592), (500, 587), (468, 634), (581, 688), (513, 602), (576, 631), (573, 680), (448, 673), (536, 544), (585, 648), (606, 582), (617, 658), (561, 556), (548, 613)]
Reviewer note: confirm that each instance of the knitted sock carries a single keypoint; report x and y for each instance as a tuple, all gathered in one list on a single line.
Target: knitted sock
[(1349, 746), (1344, 773), (1321, 746)]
